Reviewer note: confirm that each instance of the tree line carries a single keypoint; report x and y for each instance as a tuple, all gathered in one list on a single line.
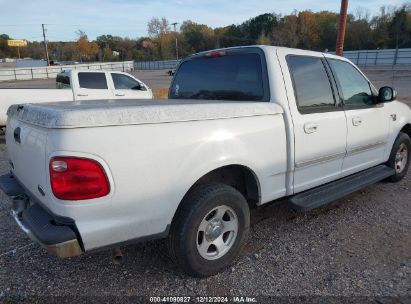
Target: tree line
[(390, 28)]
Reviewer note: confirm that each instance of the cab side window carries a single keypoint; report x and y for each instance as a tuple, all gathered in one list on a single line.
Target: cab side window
[(124, 82), (355, 88), (92, 80), (63, 81), (312, 85)]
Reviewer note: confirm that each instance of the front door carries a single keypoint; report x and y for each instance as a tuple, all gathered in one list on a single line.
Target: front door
[(367, 124), (125, 86), (319, 122)]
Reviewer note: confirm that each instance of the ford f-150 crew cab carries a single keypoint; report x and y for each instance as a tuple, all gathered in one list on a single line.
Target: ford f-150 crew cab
[(242, 127), (78, 85)]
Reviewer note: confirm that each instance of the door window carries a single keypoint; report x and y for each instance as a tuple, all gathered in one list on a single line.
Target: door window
[(92, 80), (312, 86), (124, 82), (63, 81), (355, 88)]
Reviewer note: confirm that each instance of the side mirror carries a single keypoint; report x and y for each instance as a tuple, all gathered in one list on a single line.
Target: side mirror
[(386, 94), (140, 87)]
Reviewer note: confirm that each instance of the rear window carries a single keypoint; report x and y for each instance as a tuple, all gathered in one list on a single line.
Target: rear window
[(92, 81), (232, 77)]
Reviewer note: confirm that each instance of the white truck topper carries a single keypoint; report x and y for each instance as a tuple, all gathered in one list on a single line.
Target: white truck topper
[(78, 114)]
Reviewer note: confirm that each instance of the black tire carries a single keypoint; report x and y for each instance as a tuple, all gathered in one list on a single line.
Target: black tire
[(402, 139), (183, 238)]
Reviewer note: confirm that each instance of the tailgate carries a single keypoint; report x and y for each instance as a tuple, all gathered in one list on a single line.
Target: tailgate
[(26, 147)]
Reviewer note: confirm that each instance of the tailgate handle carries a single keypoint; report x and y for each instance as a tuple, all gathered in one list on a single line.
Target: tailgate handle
[(16, 134)]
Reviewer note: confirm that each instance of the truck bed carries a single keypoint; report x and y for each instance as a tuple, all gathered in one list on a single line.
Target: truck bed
[(143, 155)]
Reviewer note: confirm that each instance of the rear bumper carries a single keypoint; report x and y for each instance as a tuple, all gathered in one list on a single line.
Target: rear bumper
[(58, 237)]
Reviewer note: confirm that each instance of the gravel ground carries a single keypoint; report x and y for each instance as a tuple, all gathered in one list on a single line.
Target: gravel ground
[(358, 246)]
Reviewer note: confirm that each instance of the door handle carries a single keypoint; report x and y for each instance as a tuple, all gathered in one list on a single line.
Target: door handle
[(82, 94), (310, 127), (120, 94), (356, 121)]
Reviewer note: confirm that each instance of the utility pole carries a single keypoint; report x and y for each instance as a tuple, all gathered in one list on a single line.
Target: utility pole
[(341, 28), (45, 45), (175, 31)]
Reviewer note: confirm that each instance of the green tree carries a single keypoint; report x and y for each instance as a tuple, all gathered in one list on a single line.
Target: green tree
[(197, 37), (328, 25), (5, 50), (261, 25), (400, 28), (285, 34), (308, 30), (380, 24)]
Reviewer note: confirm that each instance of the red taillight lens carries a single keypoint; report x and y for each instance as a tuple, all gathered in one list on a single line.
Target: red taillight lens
[(74, 178)]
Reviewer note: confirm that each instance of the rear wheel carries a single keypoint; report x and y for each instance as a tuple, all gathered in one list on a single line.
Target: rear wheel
[(400, 157), (209, 229)]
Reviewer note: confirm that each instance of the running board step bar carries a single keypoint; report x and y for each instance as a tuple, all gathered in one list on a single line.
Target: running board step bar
[(327, 193)]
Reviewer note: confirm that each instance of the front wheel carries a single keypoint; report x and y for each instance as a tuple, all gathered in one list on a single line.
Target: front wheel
[(209, 229), (400, 157)]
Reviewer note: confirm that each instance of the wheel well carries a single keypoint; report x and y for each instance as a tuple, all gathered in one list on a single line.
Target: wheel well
[(407, 129), (239, 177)]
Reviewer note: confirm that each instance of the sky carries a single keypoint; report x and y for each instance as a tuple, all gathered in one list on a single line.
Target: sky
[(128, 18)]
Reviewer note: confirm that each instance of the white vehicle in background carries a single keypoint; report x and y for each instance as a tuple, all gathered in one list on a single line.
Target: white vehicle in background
[(73, 85)]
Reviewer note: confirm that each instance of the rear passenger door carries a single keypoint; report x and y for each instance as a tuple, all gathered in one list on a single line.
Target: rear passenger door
[(319, 121), (367, 123), (92, 85)]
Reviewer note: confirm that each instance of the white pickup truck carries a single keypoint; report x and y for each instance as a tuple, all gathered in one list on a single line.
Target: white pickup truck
[(78, 85), (242, 127)]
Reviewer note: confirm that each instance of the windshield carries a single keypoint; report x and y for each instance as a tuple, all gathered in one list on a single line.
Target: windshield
[(232, 77)]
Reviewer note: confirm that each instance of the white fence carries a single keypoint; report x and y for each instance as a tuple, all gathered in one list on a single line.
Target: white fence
[(52, 71)]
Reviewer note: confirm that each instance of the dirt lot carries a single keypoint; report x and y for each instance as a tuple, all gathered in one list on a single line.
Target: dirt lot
[(355, 249)]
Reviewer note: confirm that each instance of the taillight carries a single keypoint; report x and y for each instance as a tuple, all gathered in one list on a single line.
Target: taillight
[(74, 178)]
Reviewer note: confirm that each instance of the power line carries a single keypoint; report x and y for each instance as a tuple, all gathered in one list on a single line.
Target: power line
[(175, 31), (45, 45)]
